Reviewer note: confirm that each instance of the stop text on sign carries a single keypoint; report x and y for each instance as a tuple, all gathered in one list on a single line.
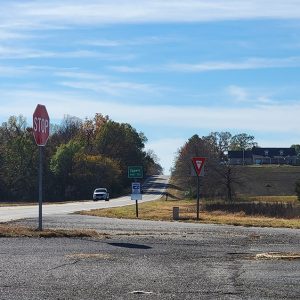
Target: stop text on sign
[(40, 125)]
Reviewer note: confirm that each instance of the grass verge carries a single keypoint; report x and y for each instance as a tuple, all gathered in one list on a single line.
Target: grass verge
[(163, 210), (286, 199), (7, 230)]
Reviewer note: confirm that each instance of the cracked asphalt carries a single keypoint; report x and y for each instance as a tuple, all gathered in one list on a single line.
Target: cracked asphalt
[(149, 260)]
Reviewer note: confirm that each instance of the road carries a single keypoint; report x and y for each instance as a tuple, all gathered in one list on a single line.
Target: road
[(136, 259), (149, 260), (154, 187)]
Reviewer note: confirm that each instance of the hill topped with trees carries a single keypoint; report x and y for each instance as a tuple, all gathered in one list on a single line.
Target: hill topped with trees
[(223, 180)]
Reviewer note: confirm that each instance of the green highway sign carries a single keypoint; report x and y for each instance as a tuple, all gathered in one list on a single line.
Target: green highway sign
[(135, 172)]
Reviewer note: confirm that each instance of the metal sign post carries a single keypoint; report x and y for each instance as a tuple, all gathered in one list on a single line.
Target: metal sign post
[(198, 197), (136, 209), (40, 188), (198, 163), (136, 195)]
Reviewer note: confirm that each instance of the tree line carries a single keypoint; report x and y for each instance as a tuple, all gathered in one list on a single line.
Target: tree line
[(220, 178), (80, 155)]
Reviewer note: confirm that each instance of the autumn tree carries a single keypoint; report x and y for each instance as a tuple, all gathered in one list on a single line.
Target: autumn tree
[(182, 172)]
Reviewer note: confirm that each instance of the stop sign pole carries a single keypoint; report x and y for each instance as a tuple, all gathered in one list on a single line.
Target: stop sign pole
[(41, 124)]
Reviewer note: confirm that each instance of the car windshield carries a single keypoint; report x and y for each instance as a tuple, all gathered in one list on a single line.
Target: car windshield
[(100, 190)]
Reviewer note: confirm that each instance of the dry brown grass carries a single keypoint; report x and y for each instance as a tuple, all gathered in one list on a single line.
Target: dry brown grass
[(288, 199), (163, 210), (7, 230)]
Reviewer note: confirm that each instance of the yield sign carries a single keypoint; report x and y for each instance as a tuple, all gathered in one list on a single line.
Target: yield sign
[(198, 163)]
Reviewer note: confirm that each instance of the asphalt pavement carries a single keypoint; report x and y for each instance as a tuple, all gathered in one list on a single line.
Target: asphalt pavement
[(149, 260)]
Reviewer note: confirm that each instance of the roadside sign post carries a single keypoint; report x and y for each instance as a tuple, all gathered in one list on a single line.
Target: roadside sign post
[(136, 195), (198, 163), (40, 188), (41, 123), (135, 172)]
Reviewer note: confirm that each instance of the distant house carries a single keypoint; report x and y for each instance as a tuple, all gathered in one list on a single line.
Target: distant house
[(286, 156), (240, 157)]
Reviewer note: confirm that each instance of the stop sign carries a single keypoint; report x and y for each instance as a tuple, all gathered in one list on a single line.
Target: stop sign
[(41, 124)]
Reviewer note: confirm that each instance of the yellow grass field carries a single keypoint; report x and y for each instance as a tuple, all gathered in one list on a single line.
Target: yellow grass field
[(163, 210)]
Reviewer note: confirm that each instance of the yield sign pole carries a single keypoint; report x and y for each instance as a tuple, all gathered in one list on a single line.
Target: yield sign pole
[(41, 124), (198, 163)]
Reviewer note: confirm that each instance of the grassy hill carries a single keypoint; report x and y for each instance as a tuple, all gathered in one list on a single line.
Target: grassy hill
[(267, 180)]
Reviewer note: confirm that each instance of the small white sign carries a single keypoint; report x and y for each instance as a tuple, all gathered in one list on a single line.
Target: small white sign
[(136, 191), (136, 197)]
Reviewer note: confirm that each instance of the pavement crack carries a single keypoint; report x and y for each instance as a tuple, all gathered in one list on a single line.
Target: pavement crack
[(64, 265)]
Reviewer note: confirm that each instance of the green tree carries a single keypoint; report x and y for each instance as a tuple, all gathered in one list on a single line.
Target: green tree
[(122, 143), (62, 165), (220, 141), (297, 148), (93, 171), (242, 141), (18, 154)]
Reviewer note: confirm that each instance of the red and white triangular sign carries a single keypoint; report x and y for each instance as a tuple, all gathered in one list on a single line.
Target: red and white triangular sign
[(198, 163)]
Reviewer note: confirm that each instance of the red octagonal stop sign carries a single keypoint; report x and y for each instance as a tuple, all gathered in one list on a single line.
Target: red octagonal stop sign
[(41, 123)]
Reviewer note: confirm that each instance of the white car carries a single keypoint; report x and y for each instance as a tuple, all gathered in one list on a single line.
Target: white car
[(100, 194)]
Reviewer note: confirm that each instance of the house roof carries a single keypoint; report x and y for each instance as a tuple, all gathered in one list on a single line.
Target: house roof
[(274, 152), (266, 152)]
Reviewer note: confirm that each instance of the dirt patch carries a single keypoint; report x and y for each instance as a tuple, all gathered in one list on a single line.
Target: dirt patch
[(7, 230), (277, 256)]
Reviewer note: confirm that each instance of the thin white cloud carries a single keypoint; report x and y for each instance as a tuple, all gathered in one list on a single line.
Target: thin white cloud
[(248, 64), (23, 53), (139, 69), (99, 83), (7, 35), (143, 41), (62, 12), (244, 96), (28, 53), (210, 66), (109, 87), (7, 71)]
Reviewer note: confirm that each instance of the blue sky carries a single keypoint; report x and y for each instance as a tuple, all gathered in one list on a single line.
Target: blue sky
[(170, 68)]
